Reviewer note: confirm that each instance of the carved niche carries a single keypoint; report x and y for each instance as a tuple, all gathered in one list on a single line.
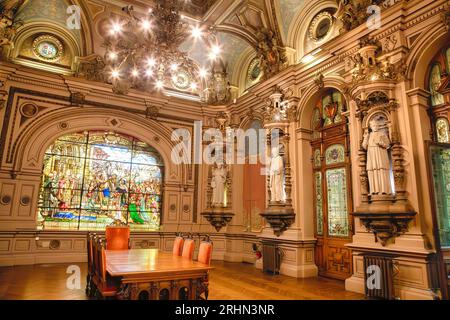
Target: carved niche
[(385, 213)]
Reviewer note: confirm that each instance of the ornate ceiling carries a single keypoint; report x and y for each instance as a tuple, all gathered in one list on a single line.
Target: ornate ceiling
[(258, 38)]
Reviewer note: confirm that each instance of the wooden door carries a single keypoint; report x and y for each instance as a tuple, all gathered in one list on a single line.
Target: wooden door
[(439, 176), (332, 190)]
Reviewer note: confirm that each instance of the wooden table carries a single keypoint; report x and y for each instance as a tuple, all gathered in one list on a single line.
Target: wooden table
[(155, 275)]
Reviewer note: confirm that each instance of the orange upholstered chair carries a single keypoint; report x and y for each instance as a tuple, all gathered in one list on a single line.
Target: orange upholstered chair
[(117, 238), (178, 245), (204, 256), (188, 248), (205, 251)]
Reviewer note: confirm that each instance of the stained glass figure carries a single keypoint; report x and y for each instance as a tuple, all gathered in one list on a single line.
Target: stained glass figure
[(332, 105), (442, 130), (319, 202), (317, 158), (337, 202), (335, 154), (435, 83), (91, 179)]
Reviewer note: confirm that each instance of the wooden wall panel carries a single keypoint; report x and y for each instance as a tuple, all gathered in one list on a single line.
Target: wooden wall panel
[(7, 195)]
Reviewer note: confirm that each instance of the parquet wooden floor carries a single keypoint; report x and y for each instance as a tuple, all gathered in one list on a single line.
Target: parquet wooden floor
[(228, 281)]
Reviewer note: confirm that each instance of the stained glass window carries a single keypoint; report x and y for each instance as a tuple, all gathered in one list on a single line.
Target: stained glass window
[(317, 160), (319, 202), (337, 202), (442, 130), (440, 159), (335, 154), (316, 123), (91, 179), (332, 105), (47, 50), (435, 83)]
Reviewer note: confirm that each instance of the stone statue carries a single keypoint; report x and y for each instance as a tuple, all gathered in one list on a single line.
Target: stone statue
[(378, 166), (219, 178), (276, 177)]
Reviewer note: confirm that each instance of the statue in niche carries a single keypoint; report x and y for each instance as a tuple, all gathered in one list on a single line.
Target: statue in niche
[(276, 177), (218, 181), (376, 141)]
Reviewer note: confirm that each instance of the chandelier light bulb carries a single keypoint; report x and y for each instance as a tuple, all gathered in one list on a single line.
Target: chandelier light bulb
[(159, 84), (146, 25), (151, 62), (196, 32), (112, 55), (116, 28), (135, 73), (193, 86), (115, 74), (212, 56), (174, 67), (149, 72), (215, 49)]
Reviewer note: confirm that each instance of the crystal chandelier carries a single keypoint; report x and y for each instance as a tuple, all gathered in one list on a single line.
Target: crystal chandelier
[(142, 51)]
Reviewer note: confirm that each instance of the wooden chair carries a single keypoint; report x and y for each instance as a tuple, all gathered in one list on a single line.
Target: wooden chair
[(188, 247), (178, 245), (204, 256), (90, 261), (106, 286), (117, 237)]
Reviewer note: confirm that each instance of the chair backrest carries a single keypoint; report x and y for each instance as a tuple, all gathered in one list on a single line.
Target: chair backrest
[(117, 238), (102, 260), (205, 251), (178, 246), (95, 256), (90, 252), (188, 248)]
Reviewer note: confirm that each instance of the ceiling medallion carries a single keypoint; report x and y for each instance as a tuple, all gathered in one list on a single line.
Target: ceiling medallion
[(142, 50), (181, 80), (48, 48), (320, 26), (254, 71)]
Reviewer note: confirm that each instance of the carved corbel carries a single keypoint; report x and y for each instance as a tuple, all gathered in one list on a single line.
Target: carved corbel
[(77, 99), (386, 227), (151, 111), (318, 80), (218, 219)]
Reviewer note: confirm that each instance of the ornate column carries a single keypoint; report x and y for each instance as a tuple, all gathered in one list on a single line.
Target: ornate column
[(279, 213)]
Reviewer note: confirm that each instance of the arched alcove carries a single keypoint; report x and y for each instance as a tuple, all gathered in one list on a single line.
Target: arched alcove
[(93, 178)]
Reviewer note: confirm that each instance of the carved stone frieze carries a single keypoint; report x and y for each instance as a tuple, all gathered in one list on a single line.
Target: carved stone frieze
[(91, 67)]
